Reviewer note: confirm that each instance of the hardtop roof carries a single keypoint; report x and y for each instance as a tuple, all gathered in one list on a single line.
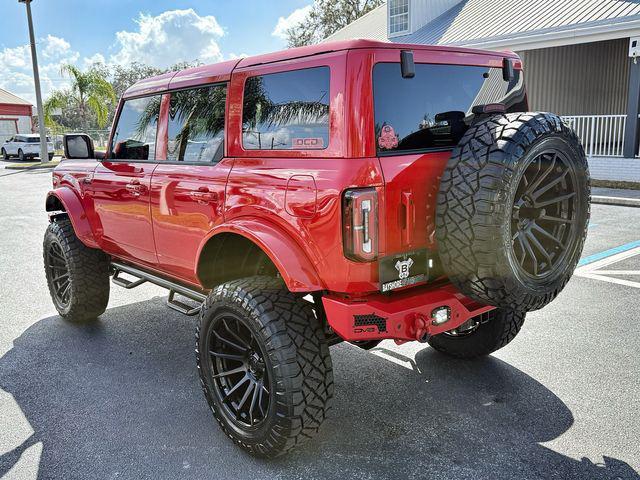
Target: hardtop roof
[(221, 72)]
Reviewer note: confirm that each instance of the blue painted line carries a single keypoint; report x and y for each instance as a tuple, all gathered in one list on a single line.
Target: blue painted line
[(607, 253)]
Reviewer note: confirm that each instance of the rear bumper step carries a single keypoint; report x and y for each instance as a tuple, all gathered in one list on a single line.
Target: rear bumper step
[(402, 316)]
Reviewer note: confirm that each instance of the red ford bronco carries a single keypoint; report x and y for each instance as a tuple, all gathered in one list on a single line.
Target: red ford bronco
[(353, 191)]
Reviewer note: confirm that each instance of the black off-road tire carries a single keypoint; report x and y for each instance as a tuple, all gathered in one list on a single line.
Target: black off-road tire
[(492, 331), (87, 272), (296, 360), (481, 195)]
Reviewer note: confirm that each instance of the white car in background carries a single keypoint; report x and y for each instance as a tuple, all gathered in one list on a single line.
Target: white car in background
[(25, 146)]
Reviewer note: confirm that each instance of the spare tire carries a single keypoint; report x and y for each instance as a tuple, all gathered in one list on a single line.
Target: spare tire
[(513, 208)]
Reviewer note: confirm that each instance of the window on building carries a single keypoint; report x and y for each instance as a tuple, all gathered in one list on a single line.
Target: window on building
[(287, 111), (135, 135), (398, 16), (196, 124), (434, 108)]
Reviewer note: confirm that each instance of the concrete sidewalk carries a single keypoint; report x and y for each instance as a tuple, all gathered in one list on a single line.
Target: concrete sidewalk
[(616, 196)]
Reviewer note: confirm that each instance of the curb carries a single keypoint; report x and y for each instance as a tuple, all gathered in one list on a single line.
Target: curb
[(620, 201), (32, 166)]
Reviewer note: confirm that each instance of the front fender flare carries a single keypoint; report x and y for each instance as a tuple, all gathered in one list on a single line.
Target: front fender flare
[(73, 207), (292, 263)]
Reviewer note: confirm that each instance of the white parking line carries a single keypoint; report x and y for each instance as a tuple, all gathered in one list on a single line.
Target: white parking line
[(596, 271)]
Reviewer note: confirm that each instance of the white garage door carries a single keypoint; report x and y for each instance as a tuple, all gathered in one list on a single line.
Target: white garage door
[(7, 129)]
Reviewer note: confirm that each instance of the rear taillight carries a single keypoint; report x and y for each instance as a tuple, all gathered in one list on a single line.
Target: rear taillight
[(360, 224)]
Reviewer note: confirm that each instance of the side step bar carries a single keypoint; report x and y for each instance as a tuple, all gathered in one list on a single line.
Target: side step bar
[(143, 276)]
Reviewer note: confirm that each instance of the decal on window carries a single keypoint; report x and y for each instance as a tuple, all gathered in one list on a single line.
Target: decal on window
[(307, 143), (388, 138)]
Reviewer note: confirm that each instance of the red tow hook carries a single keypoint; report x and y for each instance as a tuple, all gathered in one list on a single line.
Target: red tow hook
[(420, 325)]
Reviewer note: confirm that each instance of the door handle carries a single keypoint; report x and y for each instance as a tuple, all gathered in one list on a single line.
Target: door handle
[(409, 217), (135, 188), (204, 196)]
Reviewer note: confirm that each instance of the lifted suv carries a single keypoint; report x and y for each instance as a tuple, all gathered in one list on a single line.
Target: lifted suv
[(354, 191)]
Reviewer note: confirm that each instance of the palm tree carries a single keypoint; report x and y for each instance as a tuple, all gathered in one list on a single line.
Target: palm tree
[(89, 92)]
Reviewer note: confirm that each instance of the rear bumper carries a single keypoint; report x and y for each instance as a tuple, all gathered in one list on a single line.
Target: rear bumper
[(402, 316)]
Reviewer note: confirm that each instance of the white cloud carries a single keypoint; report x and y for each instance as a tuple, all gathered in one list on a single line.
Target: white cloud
[(171, 37), (284, 24), (161, 41), (95, 58), (235, 56), (17, 75)]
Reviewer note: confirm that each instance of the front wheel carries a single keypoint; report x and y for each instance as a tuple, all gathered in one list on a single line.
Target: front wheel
[(264, 365), (5, 155), (481, 335), (20, 155), (78, 276)]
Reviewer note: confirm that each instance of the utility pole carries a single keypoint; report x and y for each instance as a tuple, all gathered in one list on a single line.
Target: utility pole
[(44, 156)]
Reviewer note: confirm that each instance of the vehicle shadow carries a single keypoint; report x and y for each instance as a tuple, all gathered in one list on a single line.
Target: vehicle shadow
[(121, 398)]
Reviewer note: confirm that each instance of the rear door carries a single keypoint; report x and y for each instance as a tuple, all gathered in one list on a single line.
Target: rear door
[(418, 121), (121, 184), (188, 189)]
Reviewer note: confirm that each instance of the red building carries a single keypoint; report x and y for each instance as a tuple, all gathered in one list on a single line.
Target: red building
[(15, 115)]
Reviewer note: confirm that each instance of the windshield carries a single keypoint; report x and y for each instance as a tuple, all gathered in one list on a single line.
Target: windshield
[(433, 109)]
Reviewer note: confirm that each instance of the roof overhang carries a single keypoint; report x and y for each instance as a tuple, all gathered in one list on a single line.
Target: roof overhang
[(570, 35)]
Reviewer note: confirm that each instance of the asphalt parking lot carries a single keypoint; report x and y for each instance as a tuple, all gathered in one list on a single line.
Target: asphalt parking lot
[(121, 398)]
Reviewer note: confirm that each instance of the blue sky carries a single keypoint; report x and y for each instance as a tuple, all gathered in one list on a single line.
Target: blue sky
[(157, 32)]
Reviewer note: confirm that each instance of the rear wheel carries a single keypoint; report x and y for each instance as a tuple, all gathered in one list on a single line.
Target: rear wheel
[(264, 365), (50, 156), (77, 276), (479, 336)]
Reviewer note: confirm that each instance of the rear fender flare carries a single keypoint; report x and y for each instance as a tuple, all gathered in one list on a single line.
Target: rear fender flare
[(292, 263), (73, 207)]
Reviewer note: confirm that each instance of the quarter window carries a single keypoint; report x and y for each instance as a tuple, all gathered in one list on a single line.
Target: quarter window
[(135, 134), (287, 111), (196, 124), (398, 16)]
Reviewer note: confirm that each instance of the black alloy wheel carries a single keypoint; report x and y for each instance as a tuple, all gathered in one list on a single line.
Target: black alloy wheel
[(543, 214), (238, 371), (58, 273)]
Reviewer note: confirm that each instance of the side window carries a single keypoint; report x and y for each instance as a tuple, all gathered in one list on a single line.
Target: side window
[(287, 111), (196, 124), (135, 135)]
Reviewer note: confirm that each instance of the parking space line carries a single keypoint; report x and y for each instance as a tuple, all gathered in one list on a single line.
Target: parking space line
[(608, 253), (593, 266)]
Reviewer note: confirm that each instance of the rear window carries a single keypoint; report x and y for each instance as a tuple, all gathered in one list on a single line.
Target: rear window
[(287, 111), (433, 109), (36, 139)]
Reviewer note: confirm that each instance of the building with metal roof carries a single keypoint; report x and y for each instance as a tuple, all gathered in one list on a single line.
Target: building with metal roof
[(15, 115), (579, 59)]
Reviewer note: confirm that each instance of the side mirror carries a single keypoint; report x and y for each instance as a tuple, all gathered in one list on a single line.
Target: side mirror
[(78, 146)]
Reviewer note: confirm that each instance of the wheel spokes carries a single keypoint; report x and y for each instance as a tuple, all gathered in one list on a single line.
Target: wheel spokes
[(228, 356), (231, 372), (239, 371)]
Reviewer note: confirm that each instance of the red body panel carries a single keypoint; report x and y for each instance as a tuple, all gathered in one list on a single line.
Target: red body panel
[(161, 214), (185, 207)]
